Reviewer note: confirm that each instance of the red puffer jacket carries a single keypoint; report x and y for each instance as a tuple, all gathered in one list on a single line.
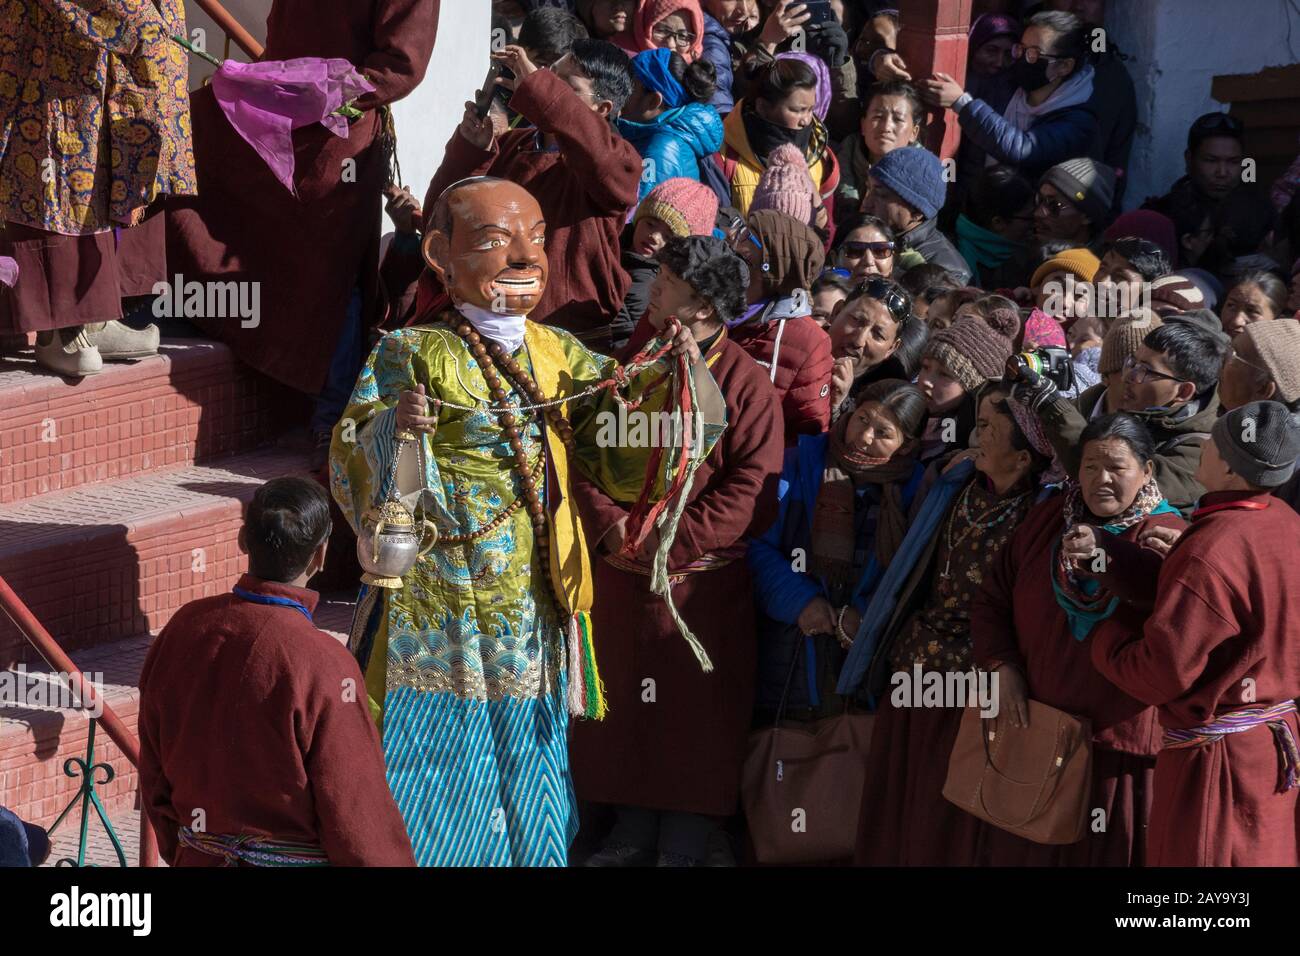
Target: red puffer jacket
[(797, 354)]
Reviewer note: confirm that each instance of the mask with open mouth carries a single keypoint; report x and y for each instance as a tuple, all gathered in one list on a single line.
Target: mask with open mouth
[(487, 245)]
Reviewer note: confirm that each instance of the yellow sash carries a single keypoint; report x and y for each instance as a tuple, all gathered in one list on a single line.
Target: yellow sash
[(570, 562)]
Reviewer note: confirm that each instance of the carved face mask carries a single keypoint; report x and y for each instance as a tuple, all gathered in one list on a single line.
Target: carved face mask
[(493, 256)]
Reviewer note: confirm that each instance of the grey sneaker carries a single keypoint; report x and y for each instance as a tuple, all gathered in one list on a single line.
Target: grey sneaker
[(76, 359), (117, 342), (620, 854)]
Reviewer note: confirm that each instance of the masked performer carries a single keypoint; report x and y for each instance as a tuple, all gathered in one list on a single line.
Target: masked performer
[(466, 664)]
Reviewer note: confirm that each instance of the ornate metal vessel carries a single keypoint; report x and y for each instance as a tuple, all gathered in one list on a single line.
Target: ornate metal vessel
[(390, 539)]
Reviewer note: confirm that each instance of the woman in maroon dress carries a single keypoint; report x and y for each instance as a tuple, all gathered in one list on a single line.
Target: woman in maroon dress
[(1074, 562), (905, 819)]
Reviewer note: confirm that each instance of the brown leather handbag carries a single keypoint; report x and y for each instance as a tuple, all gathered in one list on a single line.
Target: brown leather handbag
[(802, 785), (1032, 781)]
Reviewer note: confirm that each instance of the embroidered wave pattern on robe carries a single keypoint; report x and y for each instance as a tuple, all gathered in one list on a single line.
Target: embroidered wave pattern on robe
[(466, 666)]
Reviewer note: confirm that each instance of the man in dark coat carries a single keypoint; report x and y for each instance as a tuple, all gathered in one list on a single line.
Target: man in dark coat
[(1169, 384), (314, 254), (584, 174)]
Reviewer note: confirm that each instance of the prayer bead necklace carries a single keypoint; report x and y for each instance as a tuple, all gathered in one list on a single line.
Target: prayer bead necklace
[(1003, 509)]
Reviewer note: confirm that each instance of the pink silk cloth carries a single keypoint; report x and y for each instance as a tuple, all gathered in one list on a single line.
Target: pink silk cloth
[(265, 102)]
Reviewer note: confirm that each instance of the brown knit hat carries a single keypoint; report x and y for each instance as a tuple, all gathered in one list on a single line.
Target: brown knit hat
[(793, 254), (973, 350), (1175, 293), (1124, 338), (1278, 345)]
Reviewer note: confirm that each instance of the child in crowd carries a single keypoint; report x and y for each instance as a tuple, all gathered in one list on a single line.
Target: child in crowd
[(676, 207)]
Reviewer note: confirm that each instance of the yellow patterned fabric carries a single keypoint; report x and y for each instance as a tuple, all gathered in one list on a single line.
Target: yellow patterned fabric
[(94, 102), (470, 620), (569, 560)]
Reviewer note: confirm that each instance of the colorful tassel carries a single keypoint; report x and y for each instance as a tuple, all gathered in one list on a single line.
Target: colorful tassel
[(586, 690)]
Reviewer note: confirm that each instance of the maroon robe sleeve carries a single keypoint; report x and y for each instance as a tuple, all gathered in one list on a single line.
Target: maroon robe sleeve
[(1132, 570), (992, 613), (404, 35), (589, 144), (359, 824), (461, 159), (155, 788), (744, 502), (599, 512), (1188, 624)]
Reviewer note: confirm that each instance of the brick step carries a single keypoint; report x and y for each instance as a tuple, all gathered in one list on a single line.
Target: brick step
[(193, 402), (105, 561), (34, 743)]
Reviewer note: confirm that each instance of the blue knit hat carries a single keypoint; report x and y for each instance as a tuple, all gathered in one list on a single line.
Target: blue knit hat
[(916, 175)]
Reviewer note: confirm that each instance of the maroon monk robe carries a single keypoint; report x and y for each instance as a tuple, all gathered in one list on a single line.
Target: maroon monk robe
[(1016, 620), (310, 251), (585, 189), (245, 713), (1224, 635), (683, 750)]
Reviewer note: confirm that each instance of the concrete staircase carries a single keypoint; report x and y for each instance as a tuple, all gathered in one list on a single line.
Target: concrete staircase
[(120, 500)]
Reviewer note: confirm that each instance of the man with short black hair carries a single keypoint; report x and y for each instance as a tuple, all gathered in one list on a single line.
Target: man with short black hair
[(256, 744), (1128, 267), (548, 34), (584, 174), (1215, 148), (1169, 384)]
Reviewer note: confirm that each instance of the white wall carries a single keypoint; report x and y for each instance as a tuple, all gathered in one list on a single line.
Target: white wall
[(426, 118), (1176, 48)]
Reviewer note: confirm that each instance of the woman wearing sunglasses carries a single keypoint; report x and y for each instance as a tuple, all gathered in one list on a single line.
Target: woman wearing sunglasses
[(1048, 119), (867, 249), (873, 337)]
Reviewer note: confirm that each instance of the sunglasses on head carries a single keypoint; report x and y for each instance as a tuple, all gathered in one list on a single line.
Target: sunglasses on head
[(875, 248), (1214, 122), (891, 294)]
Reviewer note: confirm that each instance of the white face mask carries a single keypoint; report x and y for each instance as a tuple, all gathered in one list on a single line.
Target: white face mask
[(508, 330)]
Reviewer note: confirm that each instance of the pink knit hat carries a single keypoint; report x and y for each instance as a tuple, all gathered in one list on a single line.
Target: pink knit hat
[(652, 11), (1043, 331), (786, 185), (1147, 224), (688, 208)]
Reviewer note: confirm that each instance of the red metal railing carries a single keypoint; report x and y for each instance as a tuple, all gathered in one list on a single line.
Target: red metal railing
[(91, 700), (232, 28)]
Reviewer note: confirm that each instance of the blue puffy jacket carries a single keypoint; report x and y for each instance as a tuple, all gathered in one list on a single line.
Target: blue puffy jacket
[(675, 143), (717, 50), (1050, 139), (780, 591)]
